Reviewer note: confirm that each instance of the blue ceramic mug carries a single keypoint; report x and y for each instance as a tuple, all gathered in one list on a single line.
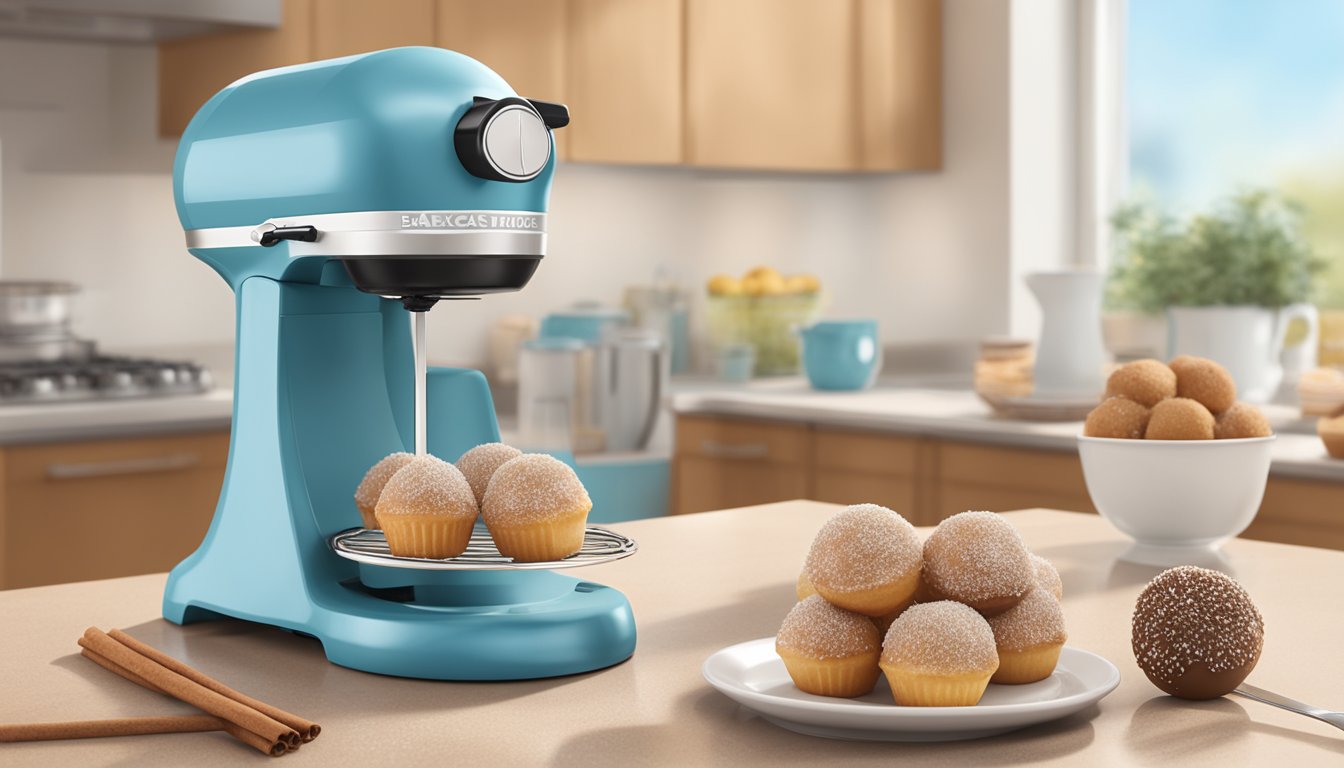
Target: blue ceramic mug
[(841, 354)]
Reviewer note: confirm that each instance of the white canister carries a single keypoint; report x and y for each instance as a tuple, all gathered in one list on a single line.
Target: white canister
[(1247, 340), (1070, 357)]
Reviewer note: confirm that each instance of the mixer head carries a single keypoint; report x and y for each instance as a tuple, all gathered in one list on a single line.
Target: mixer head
[(418, 170)]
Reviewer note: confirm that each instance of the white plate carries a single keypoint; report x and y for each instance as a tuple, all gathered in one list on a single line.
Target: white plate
[(753, 675)]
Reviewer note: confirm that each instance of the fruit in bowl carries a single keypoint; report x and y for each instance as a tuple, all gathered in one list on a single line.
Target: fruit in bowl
[(1172, 460), (762, 308)]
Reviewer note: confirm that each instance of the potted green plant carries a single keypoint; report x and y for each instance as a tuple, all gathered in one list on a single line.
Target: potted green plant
[(1229, 281)]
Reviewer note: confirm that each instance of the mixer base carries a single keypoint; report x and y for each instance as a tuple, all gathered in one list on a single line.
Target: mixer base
[(434, 627)]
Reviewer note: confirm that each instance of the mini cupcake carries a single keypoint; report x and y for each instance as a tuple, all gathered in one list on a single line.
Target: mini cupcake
[(803, 588), (479, 464), (1029, 637), (426, 510), (867, 559), (939, 655), (978, 558), (1047, 576), (371, 487), (536, 509), (829, 651)]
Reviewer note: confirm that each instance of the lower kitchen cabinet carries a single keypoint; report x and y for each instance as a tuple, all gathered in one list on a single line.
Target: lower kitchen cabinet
[(723, 462), (976, 476), (1307, 512), (851, 467), (104, 508)]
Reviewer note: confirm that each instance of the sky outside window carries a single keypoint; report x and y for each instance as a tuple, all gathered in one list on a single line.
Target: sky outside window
[(1228, 95)]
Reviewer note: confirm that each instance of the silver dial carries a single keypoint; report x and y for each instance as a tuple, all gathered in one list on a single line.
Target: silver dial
[(517, 143)]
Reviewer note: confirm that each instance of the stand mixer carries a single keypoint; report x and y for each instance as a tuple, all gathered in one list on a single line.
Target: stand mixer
[(338, 199)]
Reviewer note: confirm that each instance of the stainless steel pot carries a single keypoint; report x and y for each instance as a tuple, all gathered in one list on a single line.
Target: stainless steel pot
[(30, 309), (632, 367)]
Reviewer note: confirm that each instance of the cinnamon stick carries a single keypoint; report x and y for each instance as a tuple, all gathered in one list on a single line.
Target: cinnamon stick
[(307, 729), (193, 693), (272, 748), (124, 726)]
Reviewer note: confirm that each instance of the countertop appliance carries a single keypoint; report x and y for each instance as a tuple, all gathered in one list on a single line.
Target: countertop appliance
[(590, 383), (317, 192)]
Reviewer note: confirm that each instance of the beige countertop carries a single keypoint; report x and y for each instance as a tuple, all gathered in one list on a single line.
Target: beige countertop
[(959, 414), (95, 419), (698, 583)]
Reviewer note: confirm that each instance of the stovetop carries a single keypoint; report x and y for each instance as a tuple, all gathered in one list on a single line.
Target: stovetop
[(99, 378)]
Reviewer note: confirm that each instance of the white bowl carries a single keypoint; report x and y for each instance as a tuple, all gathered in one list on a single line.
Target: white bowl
[(1178, 499)]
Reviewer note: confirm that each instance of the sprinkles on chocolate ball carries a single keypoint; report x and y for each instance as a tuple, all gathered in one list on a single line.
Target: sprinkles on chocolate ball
[(1196, 633)]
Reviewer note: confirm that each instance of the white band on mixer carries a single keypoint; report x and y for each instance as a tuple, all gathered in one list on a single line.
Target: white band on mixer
[(396, 233)]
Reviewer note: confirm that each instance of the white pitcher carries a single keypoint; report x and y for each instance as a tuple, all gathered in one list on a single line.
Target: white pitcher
[(1247, 340), (1070, 356)]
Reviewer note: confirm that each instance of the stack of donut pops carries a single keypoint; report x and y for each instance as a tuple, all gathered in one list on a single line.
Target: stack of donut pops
[(941, 618), (533, 504), (1190, 398)]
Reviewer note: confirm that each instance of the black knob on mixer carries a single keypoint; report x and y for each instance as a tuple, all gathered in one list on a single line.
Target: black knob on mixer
[(507, 139)]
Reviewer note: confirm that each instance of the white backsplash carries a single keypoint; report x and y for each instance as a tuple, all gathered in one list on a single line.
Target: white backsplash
[(87, 197)]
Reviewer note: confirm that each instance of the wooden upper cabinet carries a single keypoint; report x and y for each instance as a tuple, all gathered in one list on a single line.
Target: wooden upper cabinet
[(900, 85), (625, 81), (800, 85), (194, 69), (814, 85), (346, 27), (769, 84), (522, 40)]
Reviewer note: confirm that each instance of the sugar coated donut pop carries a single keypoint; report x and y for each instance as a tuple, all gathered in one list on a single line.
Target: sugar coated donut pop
[(536, 508), (939, 654), (1146, 382), (1180, 418), (371, 487), (478, 465), (978, 558), (1047, 576), (1241, 420), (1029, 637), (867, 559), (426, 510), (1205, 381), (829, 651), (1117, 417)]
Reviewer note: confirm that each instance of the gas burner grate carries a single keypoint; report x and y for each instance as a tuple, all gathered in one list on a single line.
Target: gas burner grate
[(99, 378), (370, 547)]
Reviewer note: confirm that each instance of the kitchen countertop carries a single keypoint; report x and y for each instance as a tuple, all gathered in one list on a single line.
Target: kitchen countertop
[(698, 583), (94, 419), (958, 414), (131, 417)]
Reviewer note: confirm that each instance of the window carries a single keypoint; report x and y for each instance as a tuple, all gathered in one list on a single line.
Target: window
[(1228, 95)]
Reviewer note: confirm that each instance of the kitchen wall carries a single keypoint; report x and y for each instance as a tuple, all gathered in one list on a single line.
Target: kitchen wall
[(86, 196)]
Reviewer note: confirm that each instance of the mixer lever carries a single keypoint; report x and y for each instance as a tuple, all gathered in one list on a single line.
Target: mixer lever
[(269, 234)]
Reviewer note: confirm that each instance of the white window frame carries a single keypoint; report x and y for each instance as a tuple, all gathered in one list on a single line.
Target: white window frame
[(1103, 140)]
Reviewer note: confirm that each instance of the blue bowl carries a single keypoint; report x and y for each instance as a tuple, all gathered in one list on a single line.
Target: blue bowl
[(841, 354)]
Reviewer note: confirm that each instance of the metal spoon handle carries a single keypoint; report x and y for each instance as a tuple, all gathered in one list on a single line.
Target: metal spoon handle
[(1282, 702)]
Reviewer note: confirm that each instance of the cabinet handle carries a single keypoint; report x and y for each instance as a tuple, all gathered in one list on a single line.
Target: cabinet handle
[(717, 450), (173, 462)]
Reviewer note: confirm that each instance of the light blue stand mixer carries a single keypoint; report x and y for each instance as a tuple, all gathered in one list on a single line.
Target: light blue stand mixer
[(336, 198)]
